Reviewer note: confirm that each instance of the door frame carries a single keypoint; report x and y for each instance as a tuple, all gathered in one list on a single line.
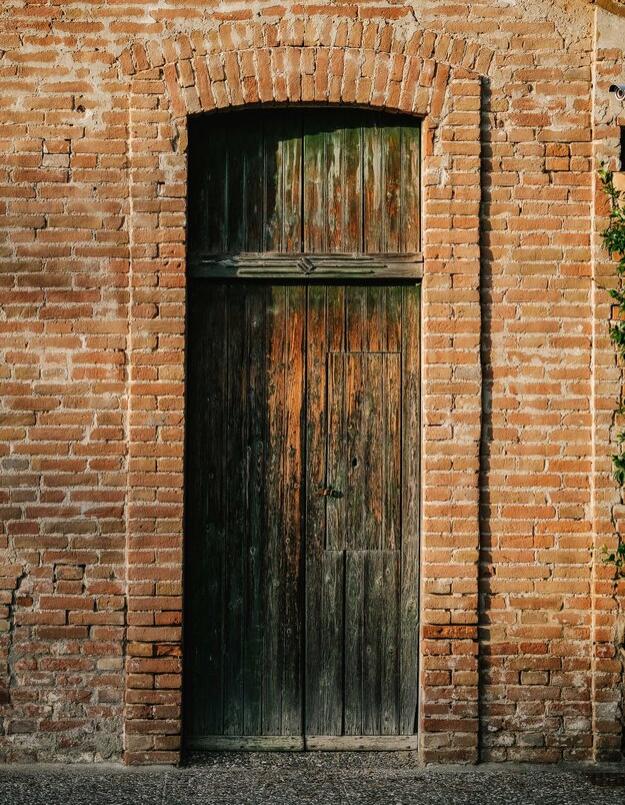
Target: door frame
[(418, 73), (309, 268)]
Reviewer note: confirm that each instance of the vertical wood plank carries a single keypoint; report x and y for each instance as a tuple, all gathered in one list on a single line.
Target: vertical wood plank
[(389, 644), (292, 183), (336, 318), (411, 189), (317, 202), (211, 565), (352, 190), (330, 673), (373, 606), (255, 330), (205, 519), (254, 184), (354, 448), (408, 671), (393, 315), (392, 455), (236, 236), (373, 190), (316, 418), (355, 317), (372, 447), (374, 324), (334, 178), (316, 469), (273, 216), (391, 181), (314, 641), (338, 479), (234, 468), (274, 570), (215, 144), (295, 384), (354, 637)]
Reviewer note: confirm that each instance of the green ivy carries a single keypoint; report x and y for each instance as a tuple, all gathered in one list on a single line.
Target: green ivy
[(614, 242), (616, 558)]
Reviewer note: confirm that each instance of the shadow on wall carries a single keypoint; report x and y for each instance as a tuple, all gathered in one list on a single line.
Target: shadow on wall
[(486, 304)]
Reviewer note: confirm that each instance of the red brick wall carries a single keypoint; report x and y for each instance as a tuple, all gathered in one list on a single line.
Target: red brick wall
[(519, 381)]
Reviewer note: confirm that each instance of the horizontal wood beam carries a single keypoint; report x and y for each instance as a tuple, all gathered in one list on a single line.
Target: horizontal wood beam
[(298, 743), (361, 743), (248, 743), (307, 266)]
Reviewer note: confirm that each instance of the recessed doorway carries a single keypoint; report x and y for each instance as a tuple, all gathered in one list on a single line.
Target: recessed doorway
[(302, 431)]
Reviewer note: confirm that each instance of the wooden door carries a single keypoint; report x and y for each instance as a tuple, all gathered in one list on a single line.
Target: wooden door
[(243, 625), (362, 514), (301, 495)]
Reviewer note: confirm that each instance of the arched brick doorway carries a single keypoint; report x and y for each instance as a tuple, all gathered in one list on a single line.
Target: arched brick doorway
[(174, 79), (303, 430)]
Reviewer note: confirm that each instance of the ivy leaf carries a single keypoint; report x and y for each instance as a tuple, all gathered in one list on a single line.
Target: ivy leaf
[(618, 468), (614, 242), (618, 296), (617, 334)]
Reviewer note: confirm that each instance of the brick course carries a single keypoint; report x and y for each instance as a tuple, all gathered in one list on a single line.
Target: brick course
[(518, 655)]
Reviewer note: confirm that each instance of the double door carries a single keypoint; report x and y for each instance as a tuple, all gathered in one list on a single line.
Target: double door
[(302, 430), (301, 619)]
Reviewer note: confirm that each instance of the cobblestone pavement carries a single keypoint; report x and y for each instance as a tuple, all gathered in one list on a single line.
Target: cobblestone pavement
[(346, 779)]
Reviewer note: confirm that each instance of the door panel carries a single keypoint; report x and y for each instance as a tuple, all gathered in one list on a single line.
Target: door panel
[(371, 646), (317, 181), (244, 508), (302, 452), (302, 512), (333, 182), (363, 420), (363, 485)]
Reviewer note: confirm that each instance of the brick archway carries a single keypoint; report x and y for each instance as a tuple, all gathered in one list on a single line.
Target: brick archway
[(426, 74), (306, 61)]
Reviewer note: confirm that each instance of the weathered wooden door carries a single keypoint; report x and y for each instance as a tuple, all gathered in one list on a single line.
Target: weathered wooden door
[(302, 465), (361, 513)]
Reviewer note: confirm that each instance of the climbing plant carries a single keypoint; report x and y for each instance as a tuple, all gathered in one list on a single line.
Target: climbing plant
[(614, 242)]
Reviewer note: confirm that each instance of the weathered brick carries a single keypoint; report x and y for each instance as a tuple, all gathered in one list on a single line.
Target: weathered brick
[(516, 462)]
